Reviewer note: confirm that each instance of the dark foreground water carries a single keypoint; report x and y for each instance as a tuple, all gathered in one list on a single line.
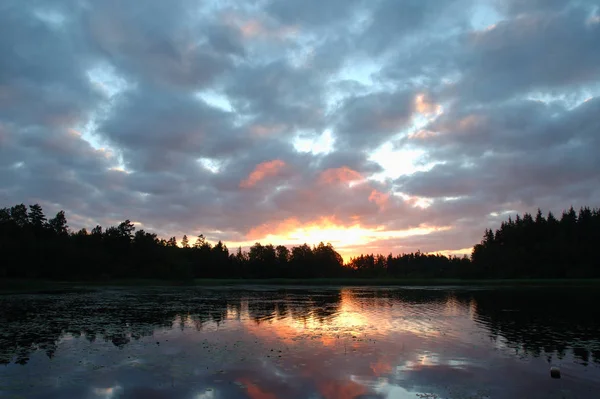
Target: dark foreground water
[(266, 343)]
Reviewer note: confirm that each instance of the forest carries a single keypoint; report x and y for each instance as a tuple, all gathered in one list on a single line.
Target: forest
[(35, 247), (542, 247)]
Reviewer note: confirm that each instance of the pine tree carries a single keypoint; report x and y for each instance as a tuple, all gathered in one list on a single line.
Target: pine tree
[(18, 214), (36, 216), (59, 223)]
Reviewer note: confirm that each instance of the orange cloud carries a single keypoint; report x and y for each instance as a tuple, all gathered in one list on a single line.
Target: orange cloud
[(379, 198), (262, 170), (279, 228), (424, 106), (381, 367), (415, 201), (341, 389), (340, 175), (291, 229), (254, 391)]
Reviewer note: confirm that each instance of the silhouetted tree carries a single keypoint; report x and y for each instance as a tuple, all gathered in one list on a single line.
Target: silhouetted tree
[(18, 214), (59, 223), (126, 229), (282, 256), (524, 247), (37, 217), (200, 241), (541, 247)]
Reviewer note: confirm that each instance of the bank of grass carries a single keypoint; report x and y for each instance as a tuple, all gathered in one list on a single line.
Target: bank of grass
[(8, 286), (36, 286), (397, 282)]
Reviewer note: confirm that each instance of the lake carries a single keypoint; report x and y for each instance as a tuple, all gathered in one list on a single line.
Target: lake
[(300, 342)]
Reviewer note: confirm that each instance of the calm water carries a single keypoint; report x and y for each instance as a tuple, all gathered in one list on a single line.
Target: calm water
[(266, 343)]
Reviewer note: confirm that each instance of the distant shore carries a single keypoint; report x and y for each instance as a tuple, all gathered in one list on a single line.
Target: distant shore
[(8, 286)]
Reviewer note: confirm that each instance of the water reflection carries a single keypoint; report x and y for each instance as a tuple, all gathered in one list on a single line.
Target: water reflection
[(543, 322), (296, 343)]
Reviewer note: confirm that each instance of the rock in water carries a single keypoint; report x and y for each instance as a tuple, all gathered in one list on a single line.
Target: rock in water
[(554, 372)]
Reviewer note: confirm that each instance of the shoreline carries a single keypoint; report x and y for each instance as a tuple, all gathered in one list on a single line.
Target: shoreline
[(9, 286)]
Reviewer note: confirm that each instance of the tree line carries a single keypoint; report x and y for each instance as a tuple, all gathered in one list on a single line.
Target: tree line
[(32, 246), (542, 247)]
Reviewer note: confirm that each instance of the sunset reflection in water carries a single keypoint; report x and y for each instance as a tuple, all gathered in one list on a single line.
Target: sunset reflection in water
[(264, 343)]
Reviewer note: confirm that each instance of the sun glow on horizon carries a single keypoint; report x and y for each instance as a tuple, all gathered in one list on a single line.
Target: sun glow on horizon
[(454, 252), (344, 237)]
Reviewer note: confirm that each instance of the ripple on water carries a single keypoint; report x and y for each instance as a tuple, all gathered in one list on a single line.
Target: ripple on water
[(292, 342)]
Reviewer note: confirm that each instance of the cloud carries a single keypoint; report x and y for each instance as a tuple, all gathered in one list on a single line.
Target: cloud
[(255, 122), (312, 13), (157, 43), (367, 121), (43, 85), (381, 199), (149, 124), (339, 175), (262, 171), (409, 19), (252, 27), (515, 7), (537, 51), (278, 94), (521, 151)]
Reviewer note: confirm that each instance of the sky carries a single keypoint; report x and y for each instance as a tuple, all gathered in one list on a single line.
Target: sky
[(377, 125)]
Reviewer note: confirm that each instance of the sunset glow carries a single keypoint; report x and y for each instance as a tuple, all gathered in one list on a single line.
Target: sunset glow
[(327, 230), (290, 121), (262, 171), (285, 199)]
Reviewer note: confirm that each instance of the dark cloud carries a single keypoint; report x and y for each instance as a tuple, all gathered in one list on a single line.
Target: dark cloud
[(183, 116), (517, 177), (352, 158), (524, 156), (43, 68), (520, 151), (368, 120), (159, 43), (533, 52), (520, 125), (225, 40), (278, 94), (391, 22), (312, 13), (516, 7), (154, 127)]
